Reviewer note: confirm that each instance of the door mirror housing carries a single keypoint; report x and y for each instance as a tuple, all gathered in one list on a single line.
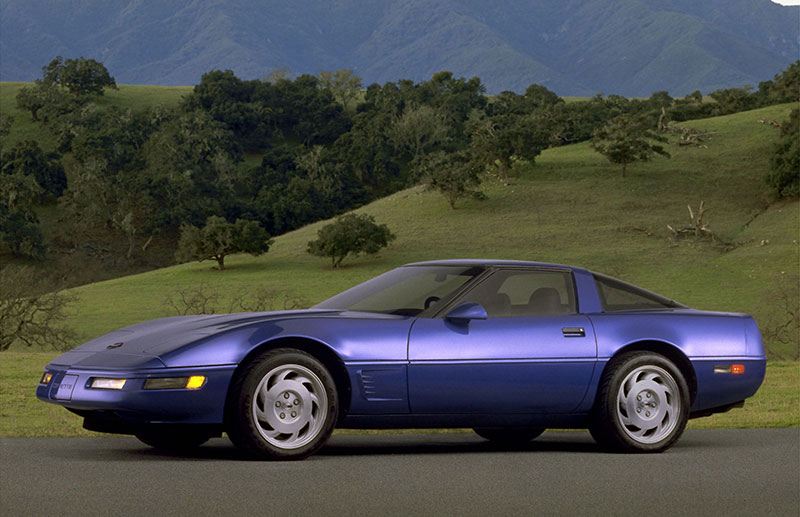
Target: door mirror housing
[(464, 312)]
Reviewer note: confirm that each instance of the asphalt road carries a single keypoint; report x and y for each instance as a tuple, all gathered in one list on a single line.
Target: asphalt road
[(714, 472)]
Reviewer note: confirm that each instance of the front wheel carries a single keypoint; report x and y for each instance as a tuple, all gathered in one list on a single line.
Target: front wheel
[(642, 404), (283, 405)]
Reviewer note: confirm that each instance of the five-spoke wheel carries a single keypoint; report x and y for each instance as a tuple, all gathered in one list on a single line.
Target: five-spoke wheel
[(283, 405), (642, 404), (290, 406)]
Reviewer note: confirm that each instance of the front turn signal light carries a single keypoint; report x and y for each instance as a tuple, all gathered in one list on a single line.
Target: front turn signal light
[(46, 378), (194, 382)]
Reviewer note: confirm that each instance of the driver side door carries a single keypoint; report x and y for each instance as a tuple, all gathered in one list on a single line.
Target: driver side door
[(533, 354)]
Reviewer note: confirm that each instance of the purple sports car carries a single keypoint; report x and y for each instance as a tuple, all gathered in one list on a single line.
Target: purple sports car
[(507, 348)]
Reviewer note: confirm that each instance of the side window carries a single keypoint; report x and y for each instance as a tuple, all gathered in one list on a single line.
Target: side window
[(514, 292), (618, 296)]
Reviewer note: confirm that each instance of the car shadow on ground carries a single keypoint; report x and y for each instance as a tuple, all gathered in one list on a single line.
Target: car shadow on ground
[(343, 445)]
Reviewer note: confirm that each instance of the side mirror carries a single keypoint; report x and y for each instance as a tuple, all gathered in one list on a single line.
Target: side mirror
[(467, 311)]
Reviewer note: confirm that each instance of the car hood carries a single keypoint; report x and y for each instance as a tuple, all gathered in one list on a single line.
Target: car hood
[(143, 345)]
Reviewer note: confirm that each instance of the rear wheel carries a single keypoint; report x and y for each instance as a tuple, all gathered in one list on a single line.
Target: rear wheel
[(509, 435), (642, 404), (283, 405)]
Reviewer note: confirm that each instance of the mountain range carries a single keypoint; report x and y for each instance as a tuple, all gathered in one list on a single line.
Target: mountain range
[(574, 47)]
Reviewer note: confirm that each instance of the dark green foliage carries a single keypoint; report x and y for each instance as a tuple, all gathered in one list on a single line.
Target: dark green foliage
[(343, 84), (19, 225), (453, 175), (784, 175), (219, 238), (80, 76), (787, 85), (350, 234), (733, 100), (191, 162), (27, 158), (21, 233), (624, 141), (494, 141)]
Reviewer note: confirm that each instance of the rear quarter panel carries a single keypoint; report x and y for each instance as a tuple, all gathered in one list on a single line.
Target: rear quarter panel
[(707, 339)]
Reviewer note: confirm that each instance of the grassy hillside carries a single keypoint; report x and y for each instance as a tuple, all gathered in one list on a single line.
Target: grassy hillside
[(126, 96), (570, 207)]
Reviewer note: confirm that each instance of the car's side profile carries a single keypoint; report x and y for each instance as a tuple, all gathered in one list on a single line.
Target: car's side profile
[(508, 348)]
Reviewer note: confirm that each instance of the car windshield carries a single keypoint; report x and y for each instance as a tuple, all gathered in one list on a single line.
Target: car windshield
[(405, 291)]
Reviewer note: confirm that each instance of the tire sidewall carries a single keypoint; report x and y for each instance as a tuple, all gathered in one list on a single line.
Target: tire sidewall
[(241, 425)]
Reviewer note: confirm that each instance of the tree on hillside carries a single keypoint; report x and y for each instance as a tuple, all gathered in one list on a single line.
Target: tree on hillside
[(29, 315), (495, 141), (6, 121), (35, 97), (624, 141), (418, 130), (29, 159), (80, 76), (343, 84), (784, 174), (453, 175), (787, 84), (733, 100), (350, 234), (219, 238), (19, 226)]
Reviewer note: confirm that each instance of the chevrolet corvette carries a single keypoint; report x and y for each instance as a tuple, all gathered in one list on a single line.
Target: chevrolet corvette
[(507, 348)]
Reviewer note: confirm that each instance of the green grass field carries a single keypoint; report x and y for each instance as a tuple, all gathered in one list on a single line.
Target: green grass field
[(571, 207)]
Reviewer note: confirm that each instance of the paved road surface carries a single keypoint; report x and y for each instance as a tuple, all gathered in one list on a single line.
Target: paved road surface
[(714, 472)]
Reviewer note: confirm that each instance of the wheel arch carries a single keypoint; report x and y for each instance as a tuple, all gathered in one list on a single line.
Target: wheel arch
[(669, 351), (318, 350)]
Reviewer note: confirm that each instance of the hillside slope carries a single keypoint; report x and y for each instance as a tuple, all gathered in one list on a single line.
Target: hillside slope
[(571, 207), (574, 47)]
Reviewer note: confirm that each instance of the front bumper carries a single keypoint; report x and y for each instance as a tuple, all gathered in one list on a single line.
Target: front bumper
[(70, 388)]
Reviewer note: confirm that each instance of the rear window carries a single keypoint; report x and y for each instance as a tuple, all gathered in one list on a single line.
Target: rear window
[(617, 296)]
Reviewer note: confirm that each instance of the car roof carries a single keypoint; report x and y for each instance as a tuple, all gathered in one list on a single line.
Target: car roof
[(489, 263)]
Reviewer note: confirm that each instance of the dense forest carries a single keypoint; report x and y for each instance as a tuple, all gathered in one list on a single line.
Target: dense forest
[(284, 152)]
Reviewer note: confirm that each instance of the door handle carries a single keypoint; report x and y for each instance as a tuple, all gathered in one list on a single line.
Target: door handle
[(573, 332)]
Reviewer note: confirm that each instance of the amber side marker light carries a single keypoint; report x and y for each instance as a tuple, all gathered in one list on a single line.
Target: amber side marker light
[(46, 378), (729, 368)]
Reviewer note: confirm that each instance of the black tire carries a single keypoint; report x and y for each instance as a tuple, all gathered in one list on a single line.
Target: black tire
[(509, 435), (282, 405), (172, 439), (648, 413)]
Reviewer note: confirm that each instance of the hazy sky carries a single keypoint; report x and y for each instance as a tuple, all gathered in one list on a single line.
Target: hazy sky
[(787, 2)]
